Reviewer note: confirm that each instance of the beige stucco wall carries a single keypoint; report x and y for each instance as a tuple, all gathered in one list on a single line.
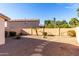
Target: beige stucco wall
[(50, 31), (64, 30), (2, 31)]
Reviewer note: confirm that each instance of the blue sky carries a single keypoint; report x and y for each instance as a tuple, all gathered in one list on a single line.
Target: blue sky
[(42, 11)]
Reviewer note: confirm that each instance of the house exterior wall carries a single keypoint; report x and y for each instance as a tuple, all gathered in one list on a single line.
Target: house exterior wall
[(2, 31), (17, 26)]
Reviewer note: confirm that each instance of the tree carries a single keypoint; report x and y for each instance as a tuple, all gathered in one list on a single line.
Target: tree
[(35, 28), (58, 25), (36, 31), (54, 22), (48, 24), (78, 11), (64, 24), (74, 22)]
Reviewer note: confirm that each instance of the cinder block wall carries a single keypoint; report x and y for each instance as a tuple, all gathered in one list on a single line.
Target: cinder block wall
[(50, 31)]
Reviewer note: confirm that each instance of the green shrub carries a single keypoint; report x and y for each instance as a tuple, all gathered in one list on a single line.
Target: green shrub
[(44, 34), (12, 33), (71, 33)]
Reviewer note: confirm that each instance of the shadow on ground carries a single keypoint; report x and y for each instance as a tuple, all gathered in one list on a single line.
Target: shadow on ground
[(36, 47)]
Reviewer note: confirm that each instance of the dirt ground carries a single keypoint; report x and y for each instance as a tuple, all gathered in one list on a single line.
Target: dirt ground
[(39, 46)]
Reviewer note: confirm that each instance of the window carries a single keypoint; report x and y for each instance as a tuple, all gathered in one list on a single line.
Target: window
[(5, 23)]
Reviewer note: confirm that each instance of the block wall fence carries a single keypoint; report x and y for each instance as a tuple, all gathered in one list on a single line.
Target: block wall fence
[(50, 31)]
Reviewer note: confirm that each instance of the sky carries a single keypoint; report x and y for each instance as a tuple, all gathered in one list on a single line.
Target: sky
[(42, 11)]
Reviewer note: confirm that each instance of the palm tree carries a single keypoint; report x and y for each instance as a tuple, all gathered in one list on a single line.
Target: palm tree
[(35, 28), (58, 25), (77, 11), (31, 30), (74, 22), (54, 22), (36, 31)]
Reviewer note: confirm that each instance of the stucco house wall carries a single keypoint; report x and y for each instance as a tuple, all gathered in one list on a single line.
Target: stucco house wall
[(3, 18), (2, 31), (19, 24)]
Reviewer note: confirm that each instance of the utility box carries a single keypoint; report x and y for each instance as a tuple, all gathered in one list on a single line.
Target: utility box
[(77, 34)]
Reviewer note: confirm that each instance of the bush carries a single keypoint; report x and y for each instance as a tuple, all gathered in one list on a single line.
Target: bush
[(71, 33), (44, 34), (64, 26), (12, 33)]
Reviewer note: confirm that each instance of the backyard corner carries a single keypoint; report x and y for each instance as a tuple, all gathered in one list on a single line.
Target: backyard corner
[(39, 36), (38, 46)]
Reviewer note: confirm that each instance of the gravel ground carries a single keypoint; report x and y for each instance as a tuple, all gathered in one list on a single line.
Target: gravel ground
[(39, 46)]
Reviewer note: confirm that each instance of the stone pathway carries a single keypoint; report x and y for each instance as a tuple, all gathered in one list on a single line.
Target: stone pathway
[(39, 49)]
